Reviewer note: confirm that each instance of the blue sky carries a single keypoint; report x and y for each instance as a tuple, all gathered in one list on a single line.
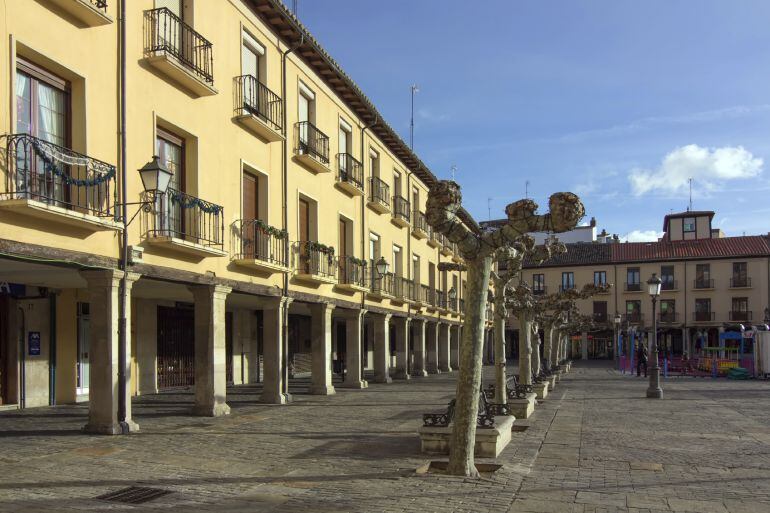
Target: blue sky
[(620, 101)]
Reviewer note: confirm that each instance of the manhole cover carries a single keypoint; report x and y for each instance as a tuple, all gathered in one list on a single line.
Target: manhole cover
[(518, 428), (134, 495)]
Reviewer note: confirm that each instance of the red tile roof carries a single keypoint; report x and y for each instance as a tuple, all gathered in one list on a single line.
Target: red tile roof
[(727, 247)]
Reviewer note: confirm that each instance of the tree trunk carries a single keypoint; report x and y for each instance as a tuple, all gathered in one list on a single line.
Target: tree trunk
[(525, 349), (535, 341), (548, 347), (501, 397), (469, 379)]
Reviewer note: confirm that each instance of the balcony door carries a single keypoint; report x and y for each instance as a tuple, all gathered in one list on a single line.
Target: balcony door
[(42, 106), (252, 57), (171, 219), (306, 115), (255, 243), (170, 34), (347, 270)]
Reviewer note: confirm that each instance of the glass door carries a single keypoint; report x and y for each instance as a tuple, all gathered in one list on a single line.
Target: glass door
[(84, 347)]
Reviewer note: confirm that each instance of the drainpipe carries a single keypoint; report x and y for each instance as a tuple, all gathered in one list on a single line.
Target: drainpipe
[(363, 240), (52, 348), (285, 218), (122, 291), (21, 333)]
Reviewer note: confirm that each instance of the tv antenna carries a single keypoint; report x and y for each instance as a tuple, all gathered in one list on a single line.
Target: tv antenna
[(294, 7), (489, 208), (414, 90), (526, 189), (689, 208), (453, 170)]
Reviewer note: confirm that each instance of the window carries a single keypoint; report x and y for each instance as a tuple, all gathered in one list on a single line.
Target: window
[(667, 277), (703, 310), (740, 275), (252, 58), (306, 110), (396, 183), (688, 225), (415, 198), (374, 247), (667, 310), (345, 142), (632, 279), (538, 283), (634, 311), (600, 278), (171, 218), (567, 281), (600, 311), (416, 270), (740, 311), (398, 269), (703, 277), (374, 163)]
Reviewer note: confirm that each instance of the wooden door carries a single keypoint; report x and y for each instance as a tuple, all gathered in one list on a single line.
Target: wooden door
[(252, 238), (344, 267), (304, 234)]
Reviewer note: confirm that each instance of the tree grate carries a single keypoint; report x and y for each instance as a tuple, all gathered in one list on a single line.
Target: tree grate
[(134, 495)]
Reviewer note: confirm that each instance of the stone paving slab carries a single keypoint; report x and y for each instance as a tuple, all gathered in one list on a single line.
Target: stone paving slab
[(594, 445)]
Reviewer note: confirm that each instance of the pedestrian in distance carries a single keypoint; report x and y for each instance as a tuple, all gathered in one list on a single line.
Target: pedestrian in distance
[(641, 360)]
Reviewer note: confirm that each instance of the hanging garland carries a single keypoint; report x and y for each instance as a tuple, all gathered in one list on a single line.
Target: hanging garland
[(185, 202), (271, 230), (50, 155), (323, 248), (356, 261)]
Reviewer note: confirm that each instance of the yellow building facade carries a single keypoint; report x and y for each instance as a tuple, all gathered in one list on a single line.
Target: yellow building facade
[(258, 262)]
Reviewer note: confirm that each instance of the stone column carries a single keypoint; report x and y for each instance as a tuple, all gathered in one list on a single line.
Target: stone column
[(275, 388), (454, 347), (431, 345), (402, 347), (443, 347), (382, 348), (584, 346), (420, 355), (354, 322), (210, 353), (104, 297), (321, 343)]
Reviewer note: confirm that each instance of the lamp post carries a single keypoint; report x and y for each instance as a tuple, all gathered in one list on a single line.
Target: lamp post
[(155, 179), (654, 391), (616, 342), (452, 295)]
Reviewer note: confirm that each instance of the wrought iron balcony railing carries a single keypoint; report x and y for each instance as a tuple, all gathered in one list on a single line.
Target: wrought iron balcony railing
[(420, 222), (100, 4), (541, 291), (738, 282), (381, 284), (311, 141), (379, 191), (401, 208), (402, 288), (669, 285), (441, 299), (352, 271), (703, 316), (42, 171), (668, 317), (315, 259), (741, 315), (349, 170), (165, 32), (632, 287), (427, 295), (179, 215), (252, 97), (633, 318), (260, 241), (703, 283), (569, 286)]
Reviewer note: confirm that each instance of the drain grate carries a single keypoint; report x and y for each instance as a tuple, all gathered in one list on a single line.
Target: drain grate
[(518, 428), (134, 495)]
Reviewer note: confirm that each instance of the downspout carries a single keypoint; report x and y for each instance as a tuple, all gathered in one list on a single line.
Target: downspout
[(122, 291), (52, 348), (21, 333), (363, 242), (285, 221)]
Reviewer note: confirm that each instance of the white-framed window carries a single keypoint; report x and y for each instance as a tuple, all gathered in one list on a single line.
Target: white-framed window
[(253, 57), (398, 269), (688, 225)]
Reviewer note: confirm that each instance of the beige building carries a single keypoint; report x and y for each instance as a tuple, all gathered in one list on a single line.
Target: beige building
[(711, 283), (257, 263)]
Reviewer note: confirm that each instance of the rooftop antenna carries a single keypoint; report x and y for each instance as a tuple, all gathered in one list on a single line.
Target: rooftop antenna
[(489, 208), (453, 170), (526, 189), (414, 89), (689, 208), (294, 7)]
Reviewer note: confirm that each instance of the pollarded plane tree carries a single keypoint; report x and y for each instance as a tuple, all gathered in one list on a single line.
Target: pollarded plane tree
[(552, 313), (575, 323), (478, 249)]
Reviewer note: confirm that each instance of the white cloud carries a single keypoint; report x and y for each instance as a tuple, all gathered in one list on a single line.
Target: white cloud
[(642, 236), (709, 168)]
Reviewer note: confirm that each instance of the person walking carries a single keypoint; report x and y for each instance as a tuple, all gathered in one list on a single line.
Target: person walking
[(641, 360)]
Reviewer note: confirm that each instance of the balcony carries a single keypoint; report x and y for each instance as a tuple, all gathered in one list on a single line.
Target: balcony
[(668, 317), (182, 223), (441, 300), (352, 274), (632, 287), (173, 48), (669, 285), (402, 289), (58, 185), (312, 147), (420, 228), (350, 174), (741, 316), (703, 316), (258, 109), (382, 285), (379, 195), (461, 306), (401, 211), (91, 13), (634, 318), (564, 288), (261, 246), (434, 238), (703, 283), (541, 290), (427, 296), (314, 262), (740, 282)]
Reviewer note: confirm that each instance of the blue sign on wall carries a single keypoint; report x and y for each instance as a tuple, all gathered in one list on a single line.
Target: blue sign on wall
[(34, 343)]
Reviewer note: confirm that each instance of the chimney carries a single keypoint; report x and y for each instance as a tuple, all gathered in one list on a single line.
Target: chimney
[(593, 222)]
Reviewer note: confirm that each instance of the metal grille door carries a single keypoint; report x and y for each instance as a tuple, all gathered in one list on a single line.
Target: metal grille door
[(176, 347)]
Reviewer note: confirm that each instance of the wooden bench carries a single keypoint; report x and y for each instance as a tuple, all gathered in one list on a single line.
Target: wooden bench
[(485, 417), (513, 389)]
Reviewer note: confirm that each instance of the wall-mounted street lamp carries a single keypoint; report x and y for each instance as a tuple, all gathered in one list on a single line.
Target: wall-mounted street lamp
[(382, 266), (654, 391)]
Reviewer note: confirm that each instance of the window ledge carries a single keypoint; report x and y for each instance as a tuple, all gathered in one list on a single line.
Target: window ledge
[(316, 278), (184, 246), (378, 207), (261, 265)]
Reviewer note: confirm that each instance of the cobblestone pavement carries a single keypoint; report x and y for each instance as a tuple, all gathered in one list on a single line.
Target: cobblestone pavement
[(594, 445)]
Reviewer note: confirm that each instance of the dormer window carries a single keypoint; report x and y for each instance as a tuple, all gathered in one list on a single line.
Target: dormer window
[(688, 225)]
